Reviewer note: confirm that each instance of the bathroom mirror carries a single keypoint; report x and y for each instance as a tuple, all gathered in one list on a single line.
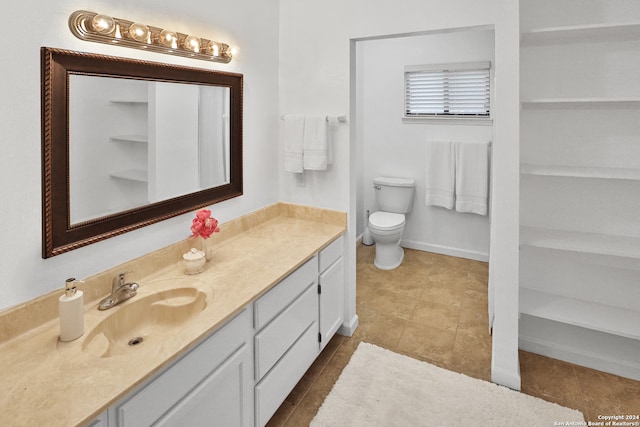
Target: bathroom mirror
[(126, 143)]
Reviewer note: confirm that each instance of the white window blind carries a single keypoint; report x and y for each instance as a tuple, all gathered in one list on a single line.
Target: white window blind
[(460, 90)]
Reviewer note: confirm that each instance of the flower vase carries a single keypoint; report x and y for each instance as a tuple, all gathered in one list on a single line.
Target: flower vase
[(207, 247)]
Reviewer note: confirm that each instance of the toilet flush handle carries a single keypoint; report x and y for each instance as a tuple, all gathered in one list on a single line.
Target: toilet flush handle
[(377, 187)]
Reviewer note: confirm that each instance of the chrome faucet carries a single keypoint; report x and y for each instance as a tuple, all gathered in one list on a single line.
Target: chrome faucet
[(120, 291)]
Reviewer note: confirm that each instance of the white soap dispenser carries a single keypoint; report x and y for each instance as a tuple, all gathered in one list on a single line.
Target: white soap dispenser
[(71, 305)]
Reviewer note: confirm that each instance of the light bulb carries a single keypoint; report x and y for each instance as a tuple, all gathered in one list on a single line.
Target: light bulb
[(192, 43), (103, 24), (168, 39), (225, 50), (215, 49), (139, 32)]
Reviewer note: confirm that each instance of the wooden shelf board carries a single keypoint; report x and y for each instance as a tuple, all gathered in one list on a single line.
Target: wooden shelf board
[(575, 241), (580, 33), (586, 314), (580, 171)]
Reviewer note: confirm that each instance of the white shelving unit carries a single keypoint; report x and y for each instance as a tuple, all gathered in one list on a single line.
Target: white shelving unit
[(585, 314), (580, 33), (580, 171), (128, 100), (578, 241), (567, 238), (143, 139), (132, 106), (137, 175), (581, 103)]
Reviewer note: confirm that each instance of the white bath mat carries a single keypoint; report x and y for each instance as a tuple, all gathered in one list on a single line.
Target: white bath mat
[(381, 388)]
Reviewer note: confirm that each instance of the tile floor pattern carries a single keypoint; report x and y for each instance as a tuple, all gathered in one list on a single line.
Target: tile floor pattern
[(434, 308)]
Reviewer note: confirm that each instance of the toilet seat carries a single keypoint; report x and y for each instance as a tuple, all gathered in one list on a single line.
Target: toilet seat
[(386, 221)]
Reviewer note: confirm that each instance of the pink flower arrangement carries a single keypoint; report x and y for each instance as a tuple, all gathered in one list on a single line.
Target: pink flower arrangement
[(204, 225)]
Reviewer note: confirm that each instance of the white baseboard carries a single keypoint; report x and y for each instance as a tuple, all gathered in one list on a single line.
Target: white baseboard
[(579, 356), (445, 250), (505, 378), (348, 328)]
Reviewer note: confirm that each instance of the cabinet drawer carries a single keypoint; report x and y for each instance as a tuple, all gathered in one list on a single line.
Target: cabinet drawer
[(278, 383), (331, 253), (278, 298), (147, 405), (276, 338)]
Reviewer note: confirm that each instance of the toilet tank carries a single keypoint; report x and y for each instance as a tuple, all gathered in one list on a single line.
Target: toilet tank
[(394, 194)]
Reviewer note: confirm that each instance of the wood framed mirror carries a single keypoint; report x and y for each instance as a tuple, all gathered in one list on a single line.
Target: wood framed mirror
[(128, 143)]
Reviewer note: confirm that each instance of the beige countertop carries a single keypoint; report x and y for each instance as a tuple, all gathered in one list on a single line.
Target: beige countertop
[(48, 382)]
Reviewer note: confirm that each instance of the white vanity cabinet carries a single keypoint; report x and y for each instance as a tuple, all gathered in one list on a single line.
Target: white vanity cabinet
[(331, 290), (211, 385), (293, 322), (286, 340), (101, 420), (240, 375)]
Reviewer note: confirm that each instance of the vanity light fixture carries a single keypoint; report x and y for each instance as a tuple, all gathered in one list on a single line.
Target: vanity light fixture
[(101, 28)]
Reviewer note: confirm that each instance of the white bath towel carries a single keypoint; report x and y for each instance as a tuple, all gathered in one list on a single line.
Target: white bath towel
[(315, 143), (472, 177), (293, 143), (440, 174)]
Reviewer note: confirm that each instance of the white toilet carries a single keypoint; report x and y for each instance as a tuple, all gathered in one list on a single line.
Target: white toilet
[(395, 198)]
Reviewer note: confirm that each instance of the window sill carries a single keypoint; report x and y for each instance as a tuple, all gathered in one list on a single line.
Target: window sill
[(442, 120)]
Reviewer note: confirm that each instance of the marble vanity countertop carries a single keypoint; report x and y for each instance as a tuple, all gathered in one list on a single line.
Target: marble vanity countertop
[(48, 382)]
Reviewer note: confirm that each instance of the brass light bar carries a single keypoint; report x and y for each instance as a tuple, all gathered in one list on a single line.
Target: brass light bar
[(100, 28)]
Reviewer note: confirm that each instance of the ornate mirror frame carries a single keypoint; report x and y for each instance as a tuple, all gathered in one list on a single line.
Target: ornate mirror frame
[(59, 235)]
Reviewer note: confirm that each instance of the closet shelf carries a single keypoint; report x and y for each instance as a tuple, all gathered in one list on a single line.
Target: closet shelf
[(580, 171), (130, 138), (586, 314), (577, 241), (581, 33), (137, 175), (612, 102), (129, 101)]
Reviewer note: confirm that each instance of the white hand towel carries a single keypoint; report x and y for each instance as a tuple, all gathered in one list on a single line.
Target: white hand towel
[(293, 146), (472, 177), (440, 174), (315, 143)]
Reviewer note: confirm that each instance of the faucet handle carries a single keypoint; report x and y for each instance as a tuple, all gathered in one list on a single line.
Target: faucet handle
[(118, 280)]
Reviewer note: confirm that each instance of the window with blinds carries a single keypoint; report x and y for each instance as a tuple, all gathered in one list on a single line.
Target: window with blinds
[(458, 90)]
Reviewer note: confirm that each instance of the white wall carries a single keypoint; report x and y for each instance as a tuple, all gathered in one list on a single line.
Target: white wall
[(250, 25), (394, 148), (317, 75)]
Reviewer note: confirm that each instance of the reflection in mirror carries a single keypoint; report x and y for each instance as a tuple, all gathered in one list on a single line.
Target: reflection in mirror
[(127, 143), (135, 142)]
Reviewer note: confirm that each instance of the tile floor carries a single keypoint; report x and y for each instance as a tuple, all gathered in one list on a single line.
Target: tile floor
[(434, 308)]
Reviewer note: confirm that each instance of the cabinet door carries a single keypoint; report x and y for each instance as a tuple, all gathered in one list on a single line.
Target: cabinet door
[(220, 400), (101, 420), (331, 301), (213, 380)]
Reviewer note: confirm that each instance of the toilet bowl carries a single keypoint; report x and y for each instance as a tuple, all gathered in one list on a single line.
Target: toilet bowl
[(386, 230), (394, 197)]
